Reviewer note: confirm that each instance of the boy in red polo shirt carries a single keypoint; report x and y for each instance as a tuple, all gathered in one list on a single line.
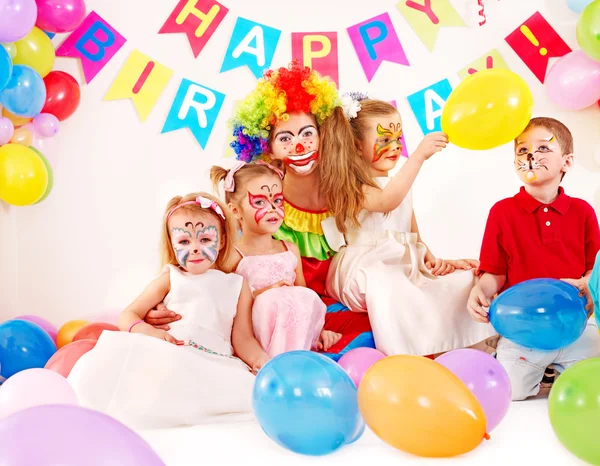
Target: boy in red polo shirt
[(539, 233)]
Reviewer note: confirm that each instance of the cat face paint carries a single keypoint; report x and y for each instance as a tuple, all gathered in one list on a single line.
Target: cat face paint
[(268, 203), (388, 143), (533, 158)]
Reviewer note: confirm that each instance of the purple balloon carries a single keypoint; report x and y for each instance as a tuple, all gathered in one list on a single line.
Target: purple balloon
[(485, 377), (573, 82), (71, 436), (46, 125), (6, 130), (358, 361), (17, 18), (47, 326)]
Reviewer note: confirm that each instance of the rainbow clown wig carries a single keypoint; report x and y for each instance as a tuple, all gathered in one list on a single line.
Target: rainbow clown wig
[(295, 89)]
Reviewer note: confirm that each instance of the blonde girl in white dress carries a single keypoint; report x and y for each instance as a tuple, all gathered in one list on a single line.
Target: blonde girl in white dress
[(150, 378), (416, 302)]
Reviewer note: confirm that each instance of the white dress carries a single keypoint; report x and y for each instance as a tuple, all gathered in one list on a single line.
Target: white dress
[(148, 383), (381, 268)]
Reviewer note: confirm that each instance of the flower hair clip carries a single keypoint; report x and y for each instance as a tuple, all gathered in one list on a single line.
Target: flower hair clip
[(203, 202), (351, 104)]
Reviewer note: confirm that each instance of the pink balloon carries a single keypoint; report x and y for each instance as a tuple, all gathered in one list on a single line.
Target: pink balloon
[(6, 130), (17, 18), (573, 82), (358, 361), (46, 125), (47, 326), (34, 387), (60, 16)]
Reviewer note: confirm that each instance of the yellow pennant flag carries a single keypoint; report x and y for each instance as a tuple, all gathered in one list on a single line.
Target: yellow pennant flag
[(142, 80), (426, 17), (492, 59)]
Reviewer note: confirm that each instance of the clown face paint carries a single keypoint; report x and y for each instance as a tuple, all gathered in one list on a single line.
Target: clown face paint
[(195, 241), (296, 142), (388, 143)]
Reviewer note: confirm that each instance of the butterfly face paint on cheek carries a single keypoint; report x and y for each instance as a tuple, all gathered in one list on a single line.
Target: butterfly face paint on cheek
[(267, 203), (209, 242), (181, 241), (387, 140)]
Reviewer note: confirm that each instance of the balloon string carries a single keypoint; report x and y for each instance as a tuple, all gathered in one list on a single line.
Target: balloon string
[(486, 436)]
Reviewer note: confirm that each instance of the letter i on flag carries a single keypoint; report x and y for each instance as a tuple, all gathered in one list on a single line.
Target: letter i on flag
[(95, 42), (142, 80), (251, 44), (195, 107), (198, 19)]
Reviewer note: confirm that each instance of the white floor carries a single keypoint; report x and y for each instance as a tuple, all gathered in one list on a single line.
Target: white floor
[(524, 438)]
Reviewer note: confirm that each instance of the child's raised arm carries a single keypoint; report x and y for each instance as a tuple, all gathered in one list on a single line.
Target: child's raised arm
[(244, 342), (131, 319), (387, 199)]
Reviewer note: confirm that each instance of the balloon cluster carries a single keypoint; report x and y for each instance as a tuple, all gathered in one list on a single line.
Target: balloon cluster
[(573, 82), (34, 98)]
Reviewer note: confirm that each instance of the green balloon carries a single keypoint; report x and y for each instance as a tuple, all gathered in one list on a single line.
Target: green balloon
[(588, 30), (50, 174), (574, 408)]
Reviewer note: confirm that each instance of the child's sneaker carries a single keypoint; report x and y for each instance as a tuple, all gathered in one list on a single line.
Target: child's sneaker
[(550, 375)]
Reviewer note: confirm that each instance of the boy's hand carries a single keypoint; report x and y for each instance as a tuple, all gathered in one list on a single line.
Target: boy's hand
[(476, 304), (582, 285), (440, 267), (328, 339), (431, 143)]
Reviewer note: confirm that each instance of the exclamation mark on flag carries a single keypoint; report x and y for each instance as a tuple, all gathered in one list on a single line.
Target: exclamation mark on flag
[(527, 33)]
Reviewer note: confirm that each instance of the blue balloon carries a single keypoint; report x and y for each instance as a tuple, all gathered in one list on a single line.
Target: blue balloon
[(6, 67), (578, 5), (542, 314), (25, 93), (23, 345), (307, 403)]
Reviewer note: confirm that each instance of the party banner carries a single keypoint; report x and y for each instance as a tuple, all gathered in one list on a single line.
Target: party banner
[(197, 19), (95, 42), (195, 107), (142, 80), (426, 17), (428, 103), (404, 149), (490, 60), (375, 41), (535, 42), (317, 50), (251, 44)]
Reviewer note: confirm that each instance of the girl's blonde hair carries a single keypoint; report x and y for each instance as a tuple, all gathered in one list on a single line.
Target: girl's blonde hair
[(343, 171), (225, 259), (242, 177)]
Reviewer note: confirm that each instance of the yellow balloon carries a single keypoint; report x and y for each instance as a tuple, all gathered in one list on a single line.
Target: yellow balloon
[(488, 109), (418, 406), (23, 175), (22, 136), (36, 50), (67, 332), (17, 121)]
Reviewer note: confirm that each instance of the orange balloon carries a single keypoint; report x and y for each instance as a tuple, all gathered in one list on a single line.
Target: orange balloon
[(65, 358), (93, 331), (22, 136), (17, 121), (418, 406), (68, 331)]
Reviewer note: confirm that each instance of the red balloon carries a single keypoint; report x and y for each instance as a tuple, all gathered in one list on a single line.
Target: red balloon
[(62, 95), (65, 358), (93, 331)]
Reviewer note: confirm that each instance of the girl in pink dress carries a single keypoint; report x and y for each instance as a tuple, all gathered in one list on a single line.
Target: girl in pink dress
[(286, 315)]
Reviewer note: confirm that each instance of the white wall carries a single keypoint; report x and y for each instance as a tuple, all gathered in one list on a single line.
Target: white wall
[(93, 243)]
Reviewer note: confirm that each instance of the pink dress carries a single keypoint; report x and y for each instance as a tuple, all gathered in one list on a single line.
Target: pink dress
[(286, 318)]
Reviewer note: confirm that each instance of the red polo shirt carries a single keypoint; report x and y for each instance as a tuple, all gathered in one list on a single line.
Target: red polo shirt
[(525, 239)]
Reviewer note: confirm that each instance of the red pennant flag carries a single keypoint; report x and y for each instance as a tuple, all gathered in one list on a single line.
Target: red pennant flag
[(198, 19), (535, 42)]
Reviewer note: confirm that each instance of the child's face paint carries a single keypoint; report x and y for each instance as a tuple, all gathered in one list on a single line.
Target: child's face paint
[(296, 142), (538, 156), (195, 240), (389, 141), (263, 211), (381, 143)]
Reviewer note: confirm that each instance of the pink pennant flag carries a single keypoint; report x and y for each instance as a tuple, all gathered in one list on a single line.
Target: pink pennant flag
[(95, 42), (375, 41)]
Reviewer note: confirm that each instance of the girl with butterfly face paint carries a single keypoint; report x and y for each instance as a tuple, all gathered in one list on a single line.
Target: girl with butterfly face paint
[(162, 373), (286, 315)]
